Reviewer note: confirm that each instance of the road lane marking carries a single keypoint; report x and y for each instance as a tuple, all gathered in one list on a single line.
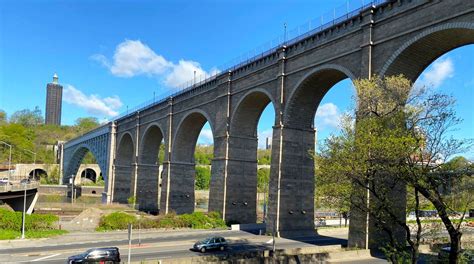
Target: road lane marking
[(47, 257)]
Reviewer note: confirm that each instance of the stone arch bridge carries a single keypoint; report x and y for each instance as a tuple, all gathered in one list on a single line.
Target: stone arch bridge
[(388, 37), (21, 171)]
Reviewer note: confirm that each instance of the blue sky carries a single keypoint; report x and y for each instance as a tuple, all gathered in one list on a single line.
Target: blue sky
[(111, 55)]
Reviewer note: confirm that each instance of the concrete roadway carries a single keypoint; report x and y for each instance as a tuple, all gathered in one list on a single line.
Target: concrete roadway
[(163, 246)]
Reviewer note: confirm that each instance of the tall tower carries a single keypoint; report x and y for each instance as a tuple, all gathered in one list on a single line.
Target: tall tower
[(54, 97)]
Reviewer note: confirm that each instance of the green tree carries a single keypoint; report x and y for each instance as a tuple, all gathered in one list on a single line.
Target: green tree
[(203, 155), (27, 117), (264, 156), (86, 124), (3, 117), (20, 138), (263, 179), (399, 137), (89, 158), (203, 177)]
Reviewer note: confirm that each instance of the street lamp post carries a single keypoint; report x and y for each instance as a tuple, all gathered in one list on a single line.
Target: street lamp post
[(24, 214), (9, 159)]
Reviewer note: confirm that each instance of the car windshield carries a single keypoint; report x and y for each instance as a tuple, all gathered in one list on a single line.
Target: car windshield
[(205, 241)]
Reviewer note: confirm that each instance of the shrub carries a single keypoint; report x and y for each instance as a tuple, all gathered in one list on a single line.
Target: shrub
[(116, 220), (12, 220), (147, 223), (199, 220), (132, 200), (171, 220)]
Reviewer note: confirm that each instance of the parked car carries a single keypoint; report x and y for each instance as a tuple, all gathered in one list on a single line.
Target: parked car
[(210, 243), (95, 255), (320, 222), (3, 181)]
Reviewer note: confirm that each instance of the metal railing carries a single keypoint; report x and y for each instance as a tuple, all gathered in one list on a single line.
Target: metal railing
[(350, 9), (14, 187)]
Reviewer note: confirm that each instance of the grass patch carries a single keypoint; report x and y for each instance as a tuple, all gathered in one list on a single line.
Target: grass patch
[(36, 225), (424, 221), (196, 220), (13, 220), (13, 234)]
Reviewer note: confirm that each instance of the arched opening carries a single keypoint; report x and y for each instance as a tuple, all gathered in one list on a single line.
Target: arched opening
[(150, 159), (249, 147), (183, 168), (452, 74), (331, 208), (442, 58), (292, 181), (124, 183), (81, 168), (38, 174), (415, 56), (203, 156), (88, 175)]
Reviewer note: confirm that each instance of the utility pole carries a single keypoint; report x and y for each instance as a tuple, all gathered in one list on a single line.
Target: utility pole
[(24, 214)]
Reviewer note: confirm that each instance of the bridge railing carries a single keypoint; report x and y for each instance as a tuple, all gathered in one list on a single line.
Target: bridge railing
[(19, 186), (350, 9)]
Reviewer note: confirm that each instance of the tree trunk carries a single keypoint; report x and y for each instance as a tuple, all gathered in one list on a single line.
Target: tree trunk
[(454, 234), (455, 247)]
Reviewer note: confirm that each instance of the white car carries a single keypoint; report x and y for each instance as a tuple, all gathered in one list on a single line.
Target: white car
[(4, 181)]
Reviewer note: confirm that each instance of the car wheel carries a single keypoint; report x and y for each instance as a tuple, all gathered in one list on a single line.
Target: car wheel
[(222, 248), (203, 249)]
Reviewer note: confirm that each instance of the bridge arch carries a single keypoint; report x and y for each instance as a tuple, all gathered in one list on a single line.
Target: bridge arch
[(76, 159), (244, 118), (148, 181), (304, 100), (180, 187), (124, 159), (89, 174), (187, 133), (241, 184), (412, 58), (292, 185), (37, 173)]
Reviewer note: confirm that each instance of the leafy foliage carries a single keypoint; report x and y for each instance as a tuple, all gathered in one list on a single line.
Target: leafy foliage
[(116, 221), (203, 177), (264, 156), (26, 131), (203, 155), (12, 221), (400, 138), (27, 117), (196, 220), (263, 179)]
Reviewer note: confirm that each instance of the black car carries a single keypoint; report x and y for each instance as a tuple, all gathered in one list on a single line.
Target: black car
[(210, 243), (97, 255)]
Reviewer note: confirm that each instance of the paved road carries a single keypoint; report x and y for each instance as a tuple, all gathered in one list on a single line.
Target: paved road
[(162, 246)]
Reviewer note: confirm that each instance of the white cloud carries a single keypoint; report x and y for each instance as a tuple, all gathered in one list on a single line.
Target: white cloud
[(93, 103), (262, 138), (133, 58), (205, 137), (183, 72), (441, 70), (328, 116)]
